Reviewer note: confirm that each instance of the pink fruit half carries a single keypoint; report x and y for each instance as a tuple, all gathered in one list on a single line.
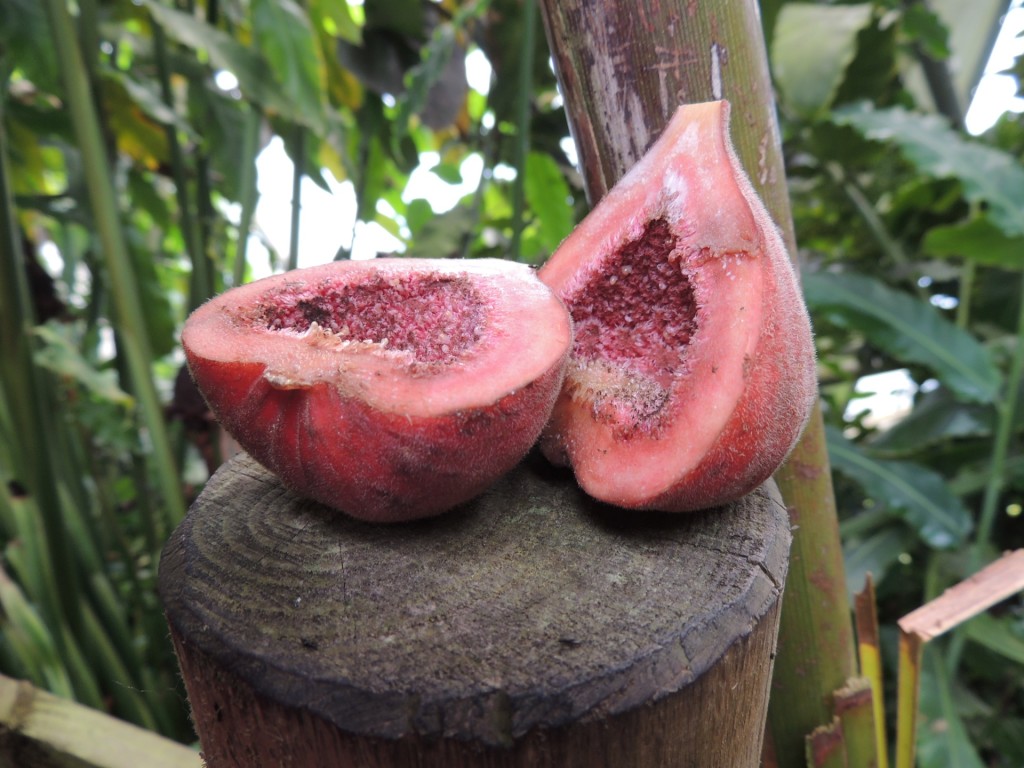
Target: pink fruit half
[(391, 389), (693, 371)]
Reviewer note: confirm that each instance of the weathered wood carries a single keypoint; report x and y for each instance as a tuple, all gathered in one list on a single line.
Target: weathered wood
[(533, 627), (40, 730)]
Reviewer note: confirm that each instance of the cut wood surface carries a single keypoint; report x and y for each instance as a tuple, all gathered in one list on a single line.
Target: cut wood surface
[(512, 631), (40, 730)]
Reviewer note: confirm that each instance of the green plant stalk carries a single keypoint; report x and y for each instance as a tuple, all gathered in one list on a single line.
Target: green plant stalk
[(889, 245), (854, 705), (129, 699), (908, 695), (1004, 432), (129, 314), (201, 285), (524, 98), (29, 404), (249, 192), (653, 73), (1006, 415), (963, 306), (300, 169)]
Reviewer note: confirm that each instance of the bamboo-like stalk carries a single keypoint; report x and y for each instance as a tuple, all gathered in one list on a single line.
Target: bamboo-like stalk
[(248, 190), (129, 315), (300, 169), (870, 655), (623, 69), (907, 694), (855, 710), (201, 285), (30, 408), (524, 98)]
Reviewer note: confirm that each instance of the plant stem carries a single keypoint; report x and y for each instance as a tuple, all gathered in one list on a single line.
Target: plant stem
[(248, 191), (523, 101), (129, 315), (201, 284), (300, 169), (963, 307), (1006, 414), (889, 245), (30, 406)]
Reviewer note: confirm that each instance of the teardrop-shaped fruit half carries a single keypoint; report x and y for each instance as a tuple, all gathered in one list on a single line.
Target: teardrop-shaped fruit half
[(390, 389), (693, 370)]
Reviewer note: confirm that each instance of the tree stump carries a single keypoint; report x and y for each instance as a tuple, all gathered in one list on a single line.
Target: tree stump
[(531, 627)]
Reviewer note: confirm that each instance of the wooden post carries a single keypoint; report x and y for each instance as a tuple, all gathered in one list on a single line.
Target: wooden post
[(532, 627)]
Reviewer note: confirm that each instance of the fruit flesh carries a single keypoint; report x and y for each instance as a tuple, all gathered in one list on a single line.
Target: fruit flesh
[(621, 334), (693, 372), (434, 320), (390, 389)]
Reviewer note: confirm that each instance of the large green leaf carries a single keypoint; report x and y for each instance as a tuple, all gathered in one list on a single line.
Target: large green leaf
[(550, 199), (937, 416), (989, 176), (813, 46), (286, 38), (978, 240), (916, 492), (907, 328), (942, 739), (999, 635)]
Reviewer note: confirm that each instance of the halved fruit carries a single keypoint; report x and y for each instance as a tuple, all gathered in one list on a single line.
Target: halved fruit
[(693, 372), (391, 389)]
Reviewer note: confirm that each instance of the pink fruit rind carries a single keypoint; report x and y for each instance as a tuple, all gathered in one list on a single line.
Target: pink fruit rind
[(367, 429), (727, 400)]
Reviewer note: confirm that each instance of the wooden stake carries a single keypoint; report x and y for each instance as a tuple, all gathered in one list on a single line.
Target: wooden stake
[(533, 627), (958, 604)]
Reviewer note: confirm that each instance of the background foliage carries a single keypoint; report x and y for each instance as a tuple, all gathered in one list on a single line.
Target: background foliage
[(128, 182)]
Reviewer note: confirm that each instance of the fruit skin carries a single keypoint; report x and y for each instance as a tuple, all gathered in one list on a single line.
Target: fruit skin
[(354, 425), (729, 404)]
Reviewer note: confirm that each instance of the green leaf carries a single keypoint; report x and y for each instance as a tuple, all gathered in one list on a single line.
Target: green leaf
[(978, 240), (907, 328), (875, 555), (25, 40), (286, 38), (998, 636), (937, 416), (923, 26), (813, 46), (918, 493), (550, 199), (336, 17), (989, 176), (149, 102), (59, 355), (441, 236), (254, 74), (942, 739)]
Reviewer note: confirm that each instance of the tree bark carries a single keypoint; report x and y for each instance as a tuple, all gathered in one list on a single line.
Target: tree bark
[(532, 627)]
